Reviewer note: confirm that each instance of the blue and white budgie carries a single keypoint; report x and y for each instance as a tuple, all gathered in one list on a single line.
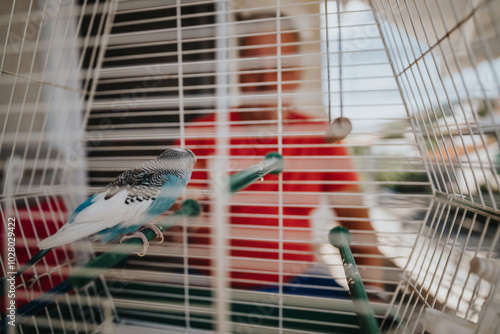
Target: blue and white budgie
[(133, 199)]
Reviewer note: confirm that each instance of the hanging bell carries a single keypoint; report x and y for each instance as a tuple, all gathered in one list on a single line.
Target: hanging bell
[(338, 130)]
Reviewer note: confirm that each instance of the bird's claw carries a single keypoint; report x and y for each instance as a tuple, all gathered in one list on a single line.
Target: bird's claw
[(144, 251), (145, 242), (156, 229)]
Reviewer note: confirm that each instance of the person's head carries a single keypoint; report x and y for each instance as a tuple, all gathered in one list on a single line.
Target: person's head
[(261, 47)]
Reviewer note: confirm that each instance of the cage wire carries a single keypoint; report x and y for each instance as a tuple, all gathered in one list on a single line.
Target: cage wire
[(91, 88)]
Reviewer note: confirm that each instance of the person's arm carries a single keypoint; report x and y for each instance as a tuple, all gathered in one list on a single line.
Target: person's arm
[(349, 207)]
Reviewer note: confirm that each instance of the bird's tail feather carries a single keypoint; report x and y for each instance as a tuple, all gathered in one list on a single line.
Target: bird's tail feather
[(31, 262)]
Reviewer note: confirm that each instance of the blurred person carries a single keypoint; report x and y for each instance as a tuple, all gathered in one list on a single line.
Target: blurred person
[(312, 169)]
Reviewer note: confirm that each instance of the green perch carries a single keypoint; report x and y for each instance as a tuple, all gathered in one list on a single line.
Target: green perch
[(273, 163), (340, 237)]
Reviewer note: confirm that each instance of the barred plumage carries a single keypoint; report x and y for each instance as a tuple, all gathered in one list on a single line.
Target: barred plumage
[(144, 182)]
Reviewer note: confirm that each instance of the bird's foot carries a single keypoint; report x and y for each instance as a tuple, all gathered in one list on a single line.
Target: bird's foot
[(140, 235), (156, 229)]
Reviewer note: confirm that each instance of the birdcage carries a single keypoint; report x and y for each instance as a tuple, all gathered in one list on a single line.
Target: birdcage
[(386, 114)]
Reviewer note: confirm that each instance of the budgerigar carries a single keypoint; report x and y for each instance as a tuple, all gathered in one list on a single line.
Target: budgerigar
[(133, 199)]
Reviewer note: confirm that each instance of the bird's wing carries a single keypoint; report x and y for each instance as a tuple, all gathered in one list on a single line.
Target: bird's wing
[(100, 215), (123, 207), (124, 201)]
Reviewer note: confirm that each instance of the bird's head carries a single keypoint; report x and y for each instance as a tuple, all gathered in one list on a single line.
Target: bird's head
[(179, 154)]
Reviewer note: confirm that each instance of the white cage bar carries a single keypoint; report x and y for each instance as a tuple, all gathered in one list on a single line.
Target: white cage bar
[(90, 88)]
